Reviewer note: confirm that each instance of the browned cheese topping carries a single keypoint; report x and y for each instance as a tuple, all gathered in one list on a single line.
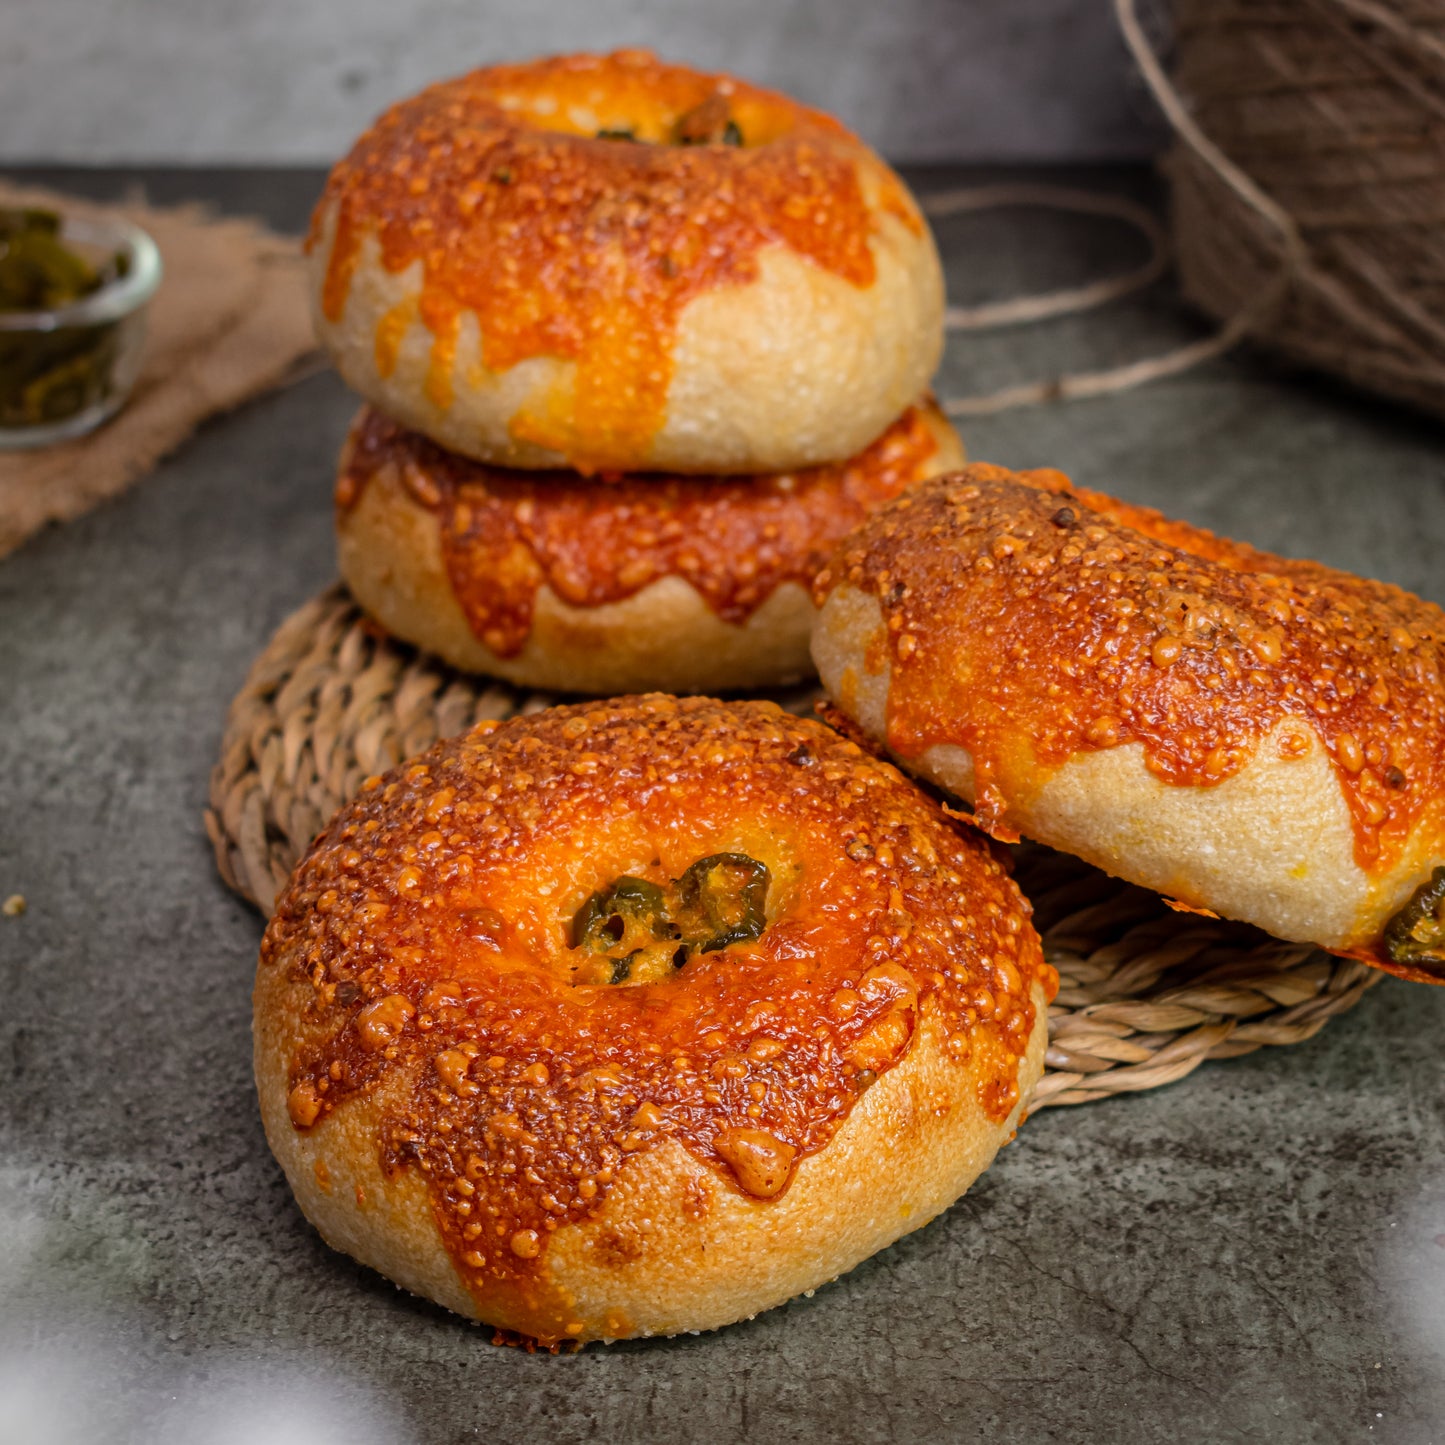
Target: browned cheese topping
[(1029, 621), (576, 205), (462, 926), (735, 540)]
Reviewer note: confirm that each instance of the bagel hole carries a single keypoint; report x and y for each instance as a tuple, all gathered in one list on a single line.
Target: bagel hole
[(709, 123), (636, 931)]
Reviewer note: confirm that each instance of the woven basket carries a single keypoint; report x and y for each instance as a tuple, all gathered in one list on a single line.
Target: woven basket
[(1146, 994), (1335, 111)]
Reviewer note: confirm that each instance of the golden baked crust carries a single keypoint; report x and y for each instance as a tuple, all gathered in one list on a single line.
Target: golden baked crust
[(690, 584), (492, 273), (1257, 736), (575, 1160)]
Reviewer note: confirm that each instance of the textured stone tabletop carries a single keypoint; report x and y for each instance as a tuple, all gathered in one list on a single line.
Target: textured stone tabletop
[(1256, 1253)]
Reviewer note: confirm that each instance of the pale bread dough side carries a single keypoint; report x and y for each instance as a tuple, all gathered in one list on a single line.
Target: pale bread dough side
[(1272, 845)]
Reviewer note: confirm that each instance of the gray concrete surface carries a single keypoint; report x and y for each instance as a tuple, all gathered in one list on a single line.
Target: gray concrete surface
[(295, 80), (1256, 1253)]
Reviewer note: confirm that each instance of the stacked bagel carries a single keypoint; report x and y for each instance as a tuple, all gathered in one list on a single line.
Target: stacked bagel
[(638, 345)]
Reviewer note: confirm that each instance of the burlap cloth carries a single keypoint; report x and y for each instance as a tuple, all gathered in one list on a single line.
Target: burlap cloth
[(229, 321)]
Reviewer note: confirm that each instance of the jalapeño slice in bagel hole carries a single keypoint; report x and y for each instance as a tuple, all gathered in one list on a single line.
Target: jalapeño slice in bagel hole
[(721, 901), (637, 931), (709, 123), (1416, 934), (620, 922)]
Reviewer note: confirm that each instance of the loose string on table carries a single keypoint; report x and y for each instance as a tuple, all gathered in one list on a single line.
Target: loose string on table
[(1024, 310)]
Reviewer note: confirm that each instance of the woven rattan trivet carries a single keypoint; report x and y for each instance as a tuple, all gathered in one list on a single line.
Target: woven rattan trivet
[(1147, 994)]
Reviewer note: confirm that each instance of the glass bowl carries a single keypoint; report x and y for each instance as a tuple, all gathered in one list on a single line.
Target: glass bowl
[(66, 370)]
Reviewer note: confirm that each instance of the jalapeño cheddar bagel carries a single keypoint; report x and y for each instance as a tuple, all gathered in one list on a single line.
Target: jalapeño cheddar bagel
[(1255, 736), (605, 262), (590, 585), (641, 1016)]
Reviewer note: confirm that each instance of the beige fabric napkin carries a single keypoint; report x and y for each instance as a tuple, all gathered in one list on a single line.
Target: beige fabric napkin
[(230, 320)]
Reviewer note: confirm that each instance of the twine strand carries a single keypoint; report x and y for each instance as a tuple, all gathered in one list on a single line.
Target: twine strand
[(1024, 310), (1293, 262), (1428, 47), (1172, 104)]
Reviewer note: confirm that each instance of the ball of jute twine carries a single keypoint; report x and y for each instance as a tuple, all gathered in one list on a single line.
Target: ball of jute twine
[(1308, 182), (1307, 193), (1146, 994)]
